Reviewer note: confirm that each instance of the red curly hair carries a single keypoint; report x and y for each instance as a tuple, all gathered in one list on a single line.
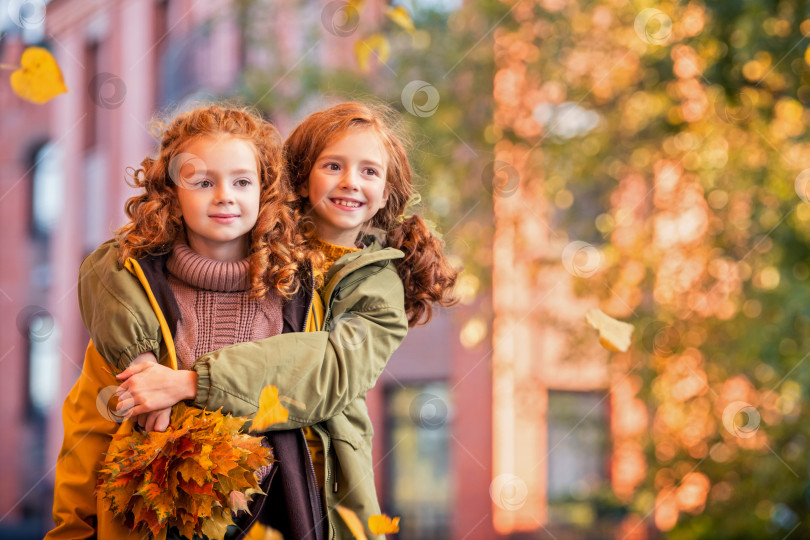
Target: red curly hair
[(277, 251), (426, 274)]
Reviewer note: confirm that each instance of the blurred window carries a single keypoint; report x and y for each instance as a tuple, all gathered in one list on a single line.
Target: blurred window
[(48, 190), (578, 436), (419, 481), (43, 365)]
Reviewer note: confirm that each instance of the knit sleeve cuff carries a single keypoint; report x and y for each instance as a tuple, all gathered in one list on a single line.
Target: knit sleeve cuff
[(203, 384)]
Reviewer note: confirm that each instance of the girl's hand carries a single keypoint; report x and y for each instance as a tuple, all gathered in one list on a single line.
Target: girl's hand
[(155, 420), (147, 356), (149, 387)]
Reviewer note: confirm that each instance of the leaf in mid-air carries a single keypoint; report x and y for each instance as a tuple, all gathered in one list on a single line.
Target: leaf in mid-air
[(401, 17), (377, 45), (270, 412), (39, 78), (353, 522), (382, 524), (613, 335)]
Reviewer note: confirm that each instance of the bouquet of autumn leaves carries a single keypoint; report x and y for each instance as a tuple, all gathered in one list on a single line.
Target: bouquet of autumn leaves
[(191, 476)]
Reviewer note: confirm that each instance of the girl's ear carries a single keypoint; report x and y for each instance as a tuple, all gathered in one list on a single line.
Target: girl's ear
[(303, 190), (386, 193)]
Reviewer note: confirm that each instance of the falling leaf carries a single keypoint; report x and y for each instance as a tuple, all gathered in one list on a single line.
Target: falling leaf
[(270, 412), (382, 524), (263, 532), (39, 78), (356, 4), (353, 522), (401, 16), (377, 45), (613, 335)]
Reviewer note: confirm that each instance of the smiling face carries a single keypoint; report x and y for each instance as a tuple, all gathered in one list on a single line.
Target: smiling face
[(218, 188), (346, 186)]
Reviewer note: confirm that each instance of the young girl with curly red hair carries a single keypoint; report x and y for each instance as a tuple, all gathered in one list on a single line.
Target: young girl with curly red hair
[(377, 273), (213, 247)]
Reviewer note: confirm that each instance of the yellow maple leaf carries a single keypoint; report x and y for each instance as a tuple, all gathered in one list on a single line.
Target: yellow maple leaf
[(270, 412), (401, 17), (39, 78), (353, 522), (377, 45), (613, 335), (382, 524), (217, 524)]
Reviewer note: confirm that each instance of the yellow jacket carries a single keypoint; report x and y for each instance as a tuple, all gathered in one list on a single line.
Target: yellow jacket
[(90, 423)]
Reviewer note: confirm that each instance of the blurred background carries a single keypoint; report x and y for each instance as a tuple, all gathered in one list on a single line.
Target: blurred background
[(646, 158)]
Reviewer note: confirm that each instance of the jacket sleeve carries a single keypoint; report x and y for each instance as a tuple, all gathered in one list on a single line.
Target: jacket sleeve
[(115, 308), (317, 373)]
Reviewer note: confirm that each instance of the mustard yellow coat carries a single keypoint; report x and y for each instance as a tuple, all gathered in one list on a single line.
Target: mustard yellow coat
[(89, 426)]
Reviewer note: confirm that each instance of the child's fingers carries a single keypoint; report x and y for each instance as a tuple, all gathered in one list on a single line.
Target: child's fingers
[(158, 420), (150, 421), (132, 370), (137, 411), (126, 401), (162, 420)]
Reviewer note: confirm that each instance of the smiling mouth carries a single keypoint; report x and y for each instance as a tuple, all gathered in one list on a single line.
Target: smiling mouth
[(223, 216), (346, 203)]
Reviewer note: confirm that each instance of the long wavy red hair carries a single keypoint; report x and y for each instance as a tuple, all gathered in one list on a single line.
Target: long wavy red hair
[(277, 250), (426, 274)]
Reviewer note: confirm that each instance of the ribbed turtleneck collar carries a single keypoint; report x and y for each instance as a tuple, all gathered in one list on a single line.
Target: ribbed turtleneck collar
[(189, 266)]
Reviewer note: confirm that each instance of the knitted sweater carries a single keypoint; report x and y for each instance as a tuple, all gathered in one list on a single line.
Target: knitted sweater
[(332, 253), (216, 307)]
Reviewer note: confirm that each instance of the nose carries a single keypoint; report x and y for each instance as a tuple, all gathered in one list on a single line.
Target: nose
[(224, 194), (348, 181)]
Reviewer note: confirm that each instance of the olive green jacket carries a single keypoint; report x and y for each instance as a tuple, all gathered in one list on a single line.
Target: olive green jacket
[(322, 376)]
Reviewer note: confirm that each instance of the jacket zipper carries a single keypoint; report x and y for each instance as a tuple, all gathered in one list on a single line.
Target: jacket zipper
[(332, 531), (327, 448), (314, 479), (311, 298)]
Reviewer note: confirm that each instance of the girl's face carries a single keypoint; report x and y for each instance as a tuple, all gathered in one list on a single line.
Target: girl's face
[(218, 187), (346, 186)]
